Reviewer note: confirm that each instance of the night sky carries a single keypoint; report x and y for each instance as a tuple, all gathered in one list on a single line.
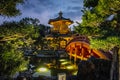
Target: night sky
[(49, 9)]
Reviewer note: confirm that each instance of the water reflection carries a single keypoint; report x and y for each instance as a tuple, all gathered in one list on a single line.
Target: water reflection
[(55, 66)]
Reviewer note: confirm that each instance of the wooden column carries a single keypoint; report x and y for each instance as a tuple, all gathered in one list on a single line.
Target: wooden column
[(80, 49), (82, 53), (70, 52), (75, 58), (90, 52)]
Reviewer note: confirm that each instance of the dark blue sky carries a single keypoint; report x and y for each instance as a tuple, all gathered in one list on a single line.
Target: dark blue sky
[(47, 9)]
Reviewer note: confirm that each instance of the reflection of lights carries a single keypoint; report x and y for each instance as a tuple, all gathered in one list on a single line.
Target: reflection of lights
[(62, 60), (64, 63), (25, 68), (75, 73), (42, 72), (50, 65), (43, 69), (70, 67)]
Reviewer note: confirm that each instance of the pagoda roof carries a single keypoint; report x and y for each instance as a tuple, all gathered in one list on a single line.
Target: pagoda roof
[(60, 17)]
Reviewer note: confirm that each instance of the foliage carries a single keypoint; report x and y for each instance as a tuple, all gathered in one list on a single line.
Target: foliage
[(106, 43), (97, 13), (91, 19), (104, 32), (8, 7), (12, 59), (107, 28), (89, 31), (18, 28), (28, 20), (40, 41), (15, 39), (90, 3)]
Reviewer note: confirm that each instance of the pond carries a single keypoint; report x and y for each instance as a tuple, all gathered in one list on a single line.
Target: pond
[(53, 66)]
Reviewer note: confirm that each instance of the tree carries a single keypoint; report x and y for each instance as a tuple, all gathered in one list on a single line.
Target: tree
[(86, 30), (12, 60), (95, 22), (105, 43), (15, 39), (40, 41), (8, 7), (90, 3), (28, 20), (96, 11)]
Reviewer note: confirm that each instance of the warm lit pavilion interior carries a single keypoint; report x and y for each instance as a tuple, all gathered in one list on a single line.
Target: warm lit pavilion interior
[(60, 24)]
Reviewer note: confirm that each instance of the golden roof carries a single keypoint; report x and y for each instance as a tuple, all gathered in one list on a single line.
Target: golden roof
[(60, 18)]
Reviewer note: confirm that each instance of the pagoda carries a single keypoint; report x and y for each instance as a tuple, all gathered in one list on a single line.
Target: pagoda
[(60, 24), (77, 46), (60, 33)]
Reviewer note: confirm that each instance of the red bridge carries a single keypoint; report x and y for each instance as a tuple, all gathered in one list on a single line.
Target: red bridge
[(79, 48)]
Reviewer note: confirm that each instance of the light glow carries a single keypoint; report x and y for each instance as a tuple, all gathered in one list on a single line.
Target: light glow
[(75, 73), (42, 69), (24, 68), (70, 67), (63, 63), (61, 60)]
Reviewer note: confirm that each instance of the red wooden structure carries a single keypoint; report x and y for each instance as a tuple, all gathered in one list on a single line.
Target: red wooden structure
[(79, 48)]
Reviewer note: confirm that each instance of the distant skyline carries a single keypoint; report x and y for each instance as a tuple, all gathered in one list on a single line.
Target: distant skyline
[(48, 9)]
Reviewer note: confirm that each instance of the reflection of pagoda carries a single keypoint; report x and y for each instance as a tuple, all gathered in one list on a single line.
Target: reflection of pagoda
[(60, 24)]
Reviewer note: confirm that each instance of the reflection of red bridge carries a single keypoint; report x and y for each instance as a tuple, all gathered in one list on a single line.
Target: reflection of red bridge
[(79, 48)]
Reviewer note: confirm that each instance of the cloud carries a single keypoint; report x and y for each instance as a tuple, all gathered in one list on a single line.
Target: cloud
[(77, 1), (76, 8), (47, 9), (73, 14)]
